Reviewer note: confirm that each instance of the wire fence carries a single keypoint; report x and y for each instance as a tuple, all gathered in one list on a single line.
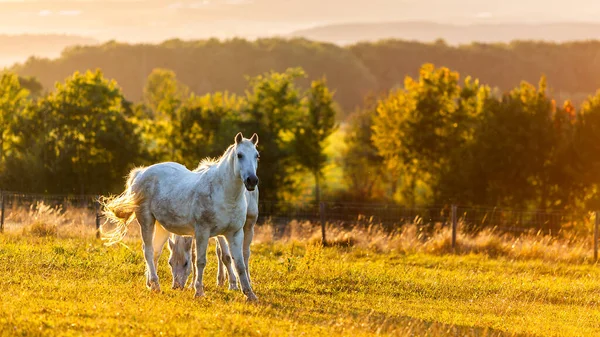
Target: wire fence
[(347, 214), (472, 219)]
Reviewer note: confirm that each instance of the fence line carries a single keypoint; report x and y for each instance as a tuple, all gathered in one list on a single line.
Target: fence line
[(390, 216)]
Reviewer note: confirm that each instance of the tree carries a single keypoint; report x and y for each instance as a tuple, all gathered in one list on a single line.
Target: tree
[(272, 110), (460, 176), (363, 166), (416, 127), (13, 100), (587, 143), (315, 124), (33, 85), (207, 125), (87, 141), (164, 96)]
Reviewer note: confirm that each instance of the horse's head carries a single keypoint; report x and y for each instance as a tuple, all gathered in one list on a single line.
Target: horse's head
[(180, 260), (246, 160)]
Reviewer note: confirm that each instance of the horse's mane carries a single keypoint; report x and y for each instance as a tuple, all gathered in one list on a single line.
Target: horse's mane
[(208, 162)]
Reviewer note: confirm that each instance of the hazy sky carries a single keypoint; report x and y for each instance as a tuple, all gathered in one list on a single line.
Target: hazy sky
[(155, 20)]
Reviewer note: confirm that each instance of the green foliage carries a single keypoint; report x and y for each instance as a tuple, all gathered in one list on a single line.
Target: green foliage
[(77, 139), (586, 147), (13, 102), (208, 124), (437, 139), (315, 124), (273, 108), (162, 129), (33, 85), (418, 128), (451, 143), (364, 168), (513, 147)]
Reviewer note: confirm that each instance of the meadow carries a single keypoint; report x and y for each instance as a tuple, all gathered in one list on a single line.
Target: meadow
[(57, 278)]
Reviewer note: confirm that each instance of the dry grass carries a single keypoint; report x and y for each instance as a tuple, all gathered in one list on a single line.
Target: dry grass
[(42, 220), (368, 282), (412, 239)]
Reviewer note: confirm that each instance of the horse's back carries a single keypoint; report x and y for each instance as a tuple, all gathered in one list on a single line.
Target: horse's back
[(161, 178)]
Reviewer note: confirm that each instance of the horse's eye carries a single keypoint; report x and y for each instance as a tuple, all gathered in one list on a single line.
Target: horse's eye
[(240, 156), (185, 264)]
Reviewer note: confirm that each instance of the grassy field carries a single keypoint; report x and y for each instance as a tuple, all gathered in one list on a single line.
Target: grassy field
[(52, 284)]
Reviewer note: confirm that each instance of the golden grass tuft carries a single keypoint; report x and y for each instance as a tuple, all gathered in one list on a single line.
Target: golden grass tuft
[(574, 247), (43, 220), (412, 238)]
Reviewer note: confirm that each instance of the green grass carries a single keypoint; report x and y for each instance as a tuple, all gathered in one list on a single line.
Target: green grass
[(76, 286)]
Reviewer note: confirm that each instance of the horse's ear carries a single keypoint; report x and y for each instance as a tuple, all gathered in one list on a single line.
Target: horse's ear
[(171, 244), (254, 139), (239, 138)]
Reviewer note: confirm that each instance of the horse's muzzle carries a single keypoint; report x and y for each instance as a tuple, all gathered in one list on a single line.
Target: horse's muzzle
[(251, 182)]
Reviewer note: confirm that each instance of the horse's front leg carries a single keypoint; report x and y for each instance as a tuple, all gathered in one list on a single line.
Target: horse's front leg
[(248, 235), (236, 241), (202, 237)]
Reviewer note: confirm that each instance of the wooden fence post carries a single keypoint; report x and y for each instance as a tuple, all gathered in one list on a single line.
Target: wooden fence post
[(97, 202), (454, 226), (596, 236), (2, 195), (322, 216)]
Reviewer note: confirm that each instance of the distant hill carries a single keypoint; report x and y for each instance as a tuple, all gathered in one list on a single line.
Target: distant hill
[(18, 48), (453, 34), (572, 69)]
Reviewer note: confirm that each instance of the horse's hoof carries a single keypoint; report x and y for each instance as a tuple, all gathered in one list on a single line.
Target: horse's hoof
[(153, 285), (199, 294), (233, 287), (252, 298)]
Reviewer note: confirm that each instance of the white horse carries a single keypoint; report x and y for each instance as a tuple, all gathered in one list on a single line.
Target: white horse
[(203, 203), (183, 251)]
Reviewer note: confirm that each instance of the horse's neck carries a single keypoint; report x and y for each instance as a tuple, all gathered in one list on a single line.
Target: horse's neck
[(232, 184)]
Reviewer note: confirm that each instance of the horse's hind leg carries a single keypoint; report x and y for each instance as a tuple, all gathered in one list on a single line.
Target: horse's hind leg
[(146, 221), (194, 267), (226, 259), (221, 274), (236, 240)]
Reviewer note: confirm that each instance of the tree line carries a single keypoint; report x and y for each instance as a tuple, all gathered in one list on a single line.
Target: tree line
[(439, 139), (572, 69), (84, 136)]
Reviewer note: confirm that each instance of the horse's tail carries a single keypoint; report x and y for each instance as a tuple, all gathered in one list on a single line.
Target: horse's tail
[(120, 210)]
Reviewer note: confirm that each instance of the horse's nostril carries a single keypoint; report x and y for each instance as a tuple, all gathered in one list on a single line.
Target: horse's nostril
[(252, 181)]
